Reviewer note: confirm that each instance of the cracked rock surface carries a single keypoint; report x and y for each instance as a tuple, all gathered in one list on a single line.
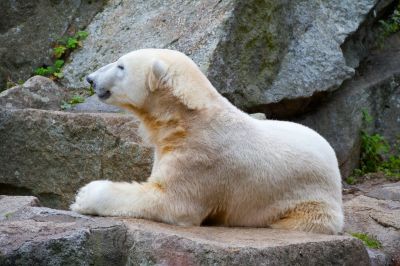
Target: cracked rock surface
[(375, 210)]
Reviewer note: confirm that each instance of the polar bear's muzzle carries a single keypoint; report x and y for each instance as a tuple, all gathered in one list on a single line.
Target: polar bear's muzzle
[(101, 93)]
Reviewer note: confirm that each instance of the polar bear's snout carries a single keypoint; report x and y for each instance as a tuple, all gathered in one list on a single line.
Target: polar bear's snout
[(98, 81), (90, 80)]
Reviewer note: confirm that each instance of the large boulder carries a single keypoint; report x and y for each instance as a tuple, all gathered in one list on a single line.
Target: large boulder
[(28, 28), (255, 52), (37, 92), (41, 236), (51, 154)]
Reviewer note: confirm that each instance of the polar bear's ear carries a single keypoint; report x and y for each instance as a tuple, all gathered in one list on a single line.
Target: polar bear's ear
[(158, 75)]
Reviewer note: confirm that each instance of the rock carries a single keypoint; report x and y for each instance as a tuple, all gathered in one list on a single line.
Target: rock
[(43, 236), (37, 235), (160, 244), (378, 258), (51, 154), (370, 182), (375, 89), (192, 27), (92, 104), (255, 53), (386, 192), (37, 92), (29, 28), (377, 218), (9, 205), (259, 116)]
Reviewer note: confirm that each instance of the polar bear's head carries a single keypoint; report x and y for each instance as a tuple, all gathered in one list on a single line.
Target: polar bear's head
[(133, 77)]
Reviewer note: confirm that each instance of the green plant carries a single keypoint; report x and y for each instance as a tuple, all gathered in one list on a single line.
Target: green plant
[(376, 154), (61, 50), (373, 150), (351, 180), (72, 43), (91, 90), (75, 99), (54, 70), (392, 24), (369, 241), (81, 35)]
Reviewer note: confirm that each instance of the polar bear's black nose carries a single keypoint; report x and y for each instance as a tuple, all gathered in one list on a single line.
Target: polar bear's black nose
[(90, 80)]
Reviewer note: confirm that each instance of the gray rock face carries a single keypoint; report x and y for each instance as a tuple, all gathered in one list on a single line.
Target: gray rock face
[(377, 218), (254, 52), (52, 154), (28, 28), (375, 89), (43, 236), (123, 26), (37, 92)]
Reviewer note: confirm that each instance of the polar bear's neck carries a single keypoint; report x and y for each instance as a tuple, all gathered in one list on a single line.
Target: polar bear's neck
[(165, 126)]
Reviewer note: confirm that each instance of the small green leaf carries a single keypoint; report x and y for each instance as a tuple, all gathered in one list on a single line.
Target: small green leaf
[(81, 35), (76, 99), (43, 71), (58, 64), (72, 43), (58, 75), (59, 51), (366, 116), (351, 180)]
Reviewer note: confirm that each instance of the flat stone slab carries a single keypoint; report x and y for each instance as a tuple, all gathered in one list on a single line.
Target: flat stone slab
[(31, 235), (161, 244)]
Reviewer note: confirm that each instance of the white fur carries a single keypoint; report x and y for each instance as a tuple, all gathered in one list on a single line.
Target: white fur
[(212, 161)]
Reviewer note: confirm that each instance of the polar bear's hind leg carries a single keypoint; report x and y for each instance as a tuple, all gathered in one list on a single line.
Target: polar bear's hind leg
[(309, 216)]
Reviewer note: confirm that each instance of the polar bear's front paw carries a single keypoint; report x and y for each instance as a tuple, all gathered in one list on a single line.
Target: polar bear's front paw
[(90, 197)]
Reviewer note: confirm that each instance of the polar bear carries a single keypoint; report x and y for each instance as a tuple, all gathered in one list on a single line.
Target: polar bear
[(213, 164)]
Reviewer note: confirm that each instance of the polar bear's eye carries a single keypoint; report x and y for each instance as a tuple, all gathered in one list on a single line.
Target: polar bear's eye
[(121, 67)]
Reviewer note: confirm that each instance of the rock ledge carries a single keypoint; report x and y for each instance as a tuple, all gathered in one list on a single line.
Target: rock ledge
[(32, 235)]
